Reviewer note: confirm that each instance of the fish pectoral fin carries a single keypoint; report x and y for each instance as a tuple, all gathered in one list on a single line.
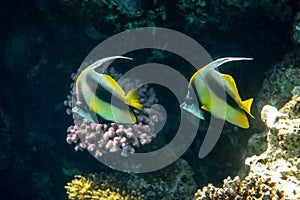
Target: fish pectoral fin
[(204, 107), (246, 106), (191, 108), (133, 100)]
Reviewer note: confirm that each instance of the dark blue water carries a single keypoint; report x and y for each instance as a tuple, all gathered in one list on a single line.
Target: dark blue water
[(44, 42)]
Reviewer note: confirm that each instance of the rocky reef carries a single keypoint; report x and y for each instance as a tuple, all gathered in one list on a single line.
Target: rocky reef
[(174, 182), (280, 80), (275, 173)]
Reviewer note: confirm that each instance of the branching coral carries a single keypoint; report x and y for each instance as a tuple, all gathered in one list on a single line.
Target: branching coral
[(81, 188), (173, 182)]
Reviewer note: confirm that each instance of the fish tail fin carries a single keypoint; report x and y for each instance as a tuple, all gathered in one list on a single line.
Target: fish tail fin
[(132, 99), (246, 106)]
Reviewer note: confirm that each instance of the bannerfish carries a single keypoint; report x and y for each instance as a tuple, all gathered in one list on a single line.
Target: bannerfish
[(101, 94), (209, 84)]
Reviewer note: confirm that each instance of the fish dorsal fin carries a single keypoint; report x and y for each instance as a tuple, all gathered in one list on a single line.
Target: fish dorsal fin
[(231, 88), (100, 63), (222, 61), (111, 85), (216, 64), (93, 66)]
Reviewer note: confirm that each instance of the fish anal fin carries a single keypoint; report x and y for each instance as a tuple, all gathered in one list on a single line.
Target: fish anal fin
[(132, 117), (204, 107), (239, 118), (133, 100)]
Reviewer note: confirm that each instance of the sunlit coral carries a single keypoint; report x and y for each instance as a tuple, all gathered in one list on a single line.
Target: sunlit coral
[(81, 188), (173, 182), (275, 173)]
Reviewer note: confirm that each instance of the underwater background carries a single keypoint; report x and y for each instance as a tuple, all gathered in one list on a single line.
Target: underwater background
[(44, 43)]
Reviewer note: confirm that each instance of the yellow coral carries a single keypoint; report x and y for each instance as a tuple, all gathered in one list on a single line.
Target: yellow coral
[(82, 188)]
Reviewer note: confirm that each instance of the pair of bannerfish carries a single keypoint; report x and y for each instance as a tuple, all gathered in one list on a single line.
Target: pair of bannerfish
[(206, 83)]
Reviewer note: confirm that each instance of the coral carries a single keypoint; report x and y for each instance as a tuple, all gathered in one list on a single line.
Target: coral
[(280, 80), (252, 187), (257, 143), (172, 182), (132, 8), (112, 137), (81, 188), (119, 15), (5, 140), (222, 13), (275, 173), (296, 29)]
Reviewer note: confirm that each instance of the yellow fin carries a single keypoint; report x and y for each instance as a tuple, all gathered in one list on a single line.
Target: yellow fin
[(246, 106), (239, 119), (132, 117), (132, 99), (231, 88), (233, 92)]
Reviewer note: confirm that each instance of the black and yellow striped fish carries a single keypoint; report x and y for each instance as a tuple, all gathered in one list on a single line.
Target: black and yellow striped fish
[(207, 82), (89, 81)]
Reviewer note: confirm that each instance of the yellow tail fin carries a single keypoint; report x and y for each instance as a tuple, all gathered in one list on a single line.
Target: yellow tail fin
[(246, 106), (132, 99)]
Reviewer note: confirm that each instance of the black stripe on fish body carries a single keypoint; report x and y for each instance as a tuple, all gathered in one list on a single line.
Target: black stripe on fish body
[(112, 100), (104, 94), (101, 120), (215, 86), (219, 90)]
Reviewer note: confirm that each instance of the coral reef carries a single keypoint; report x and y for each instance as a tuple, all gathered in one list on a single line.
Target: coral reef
[(112, 137), (172, 182), (296, 29), (252, 187), (280, 80), (93, 187), (118, 15), (274, 174)]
